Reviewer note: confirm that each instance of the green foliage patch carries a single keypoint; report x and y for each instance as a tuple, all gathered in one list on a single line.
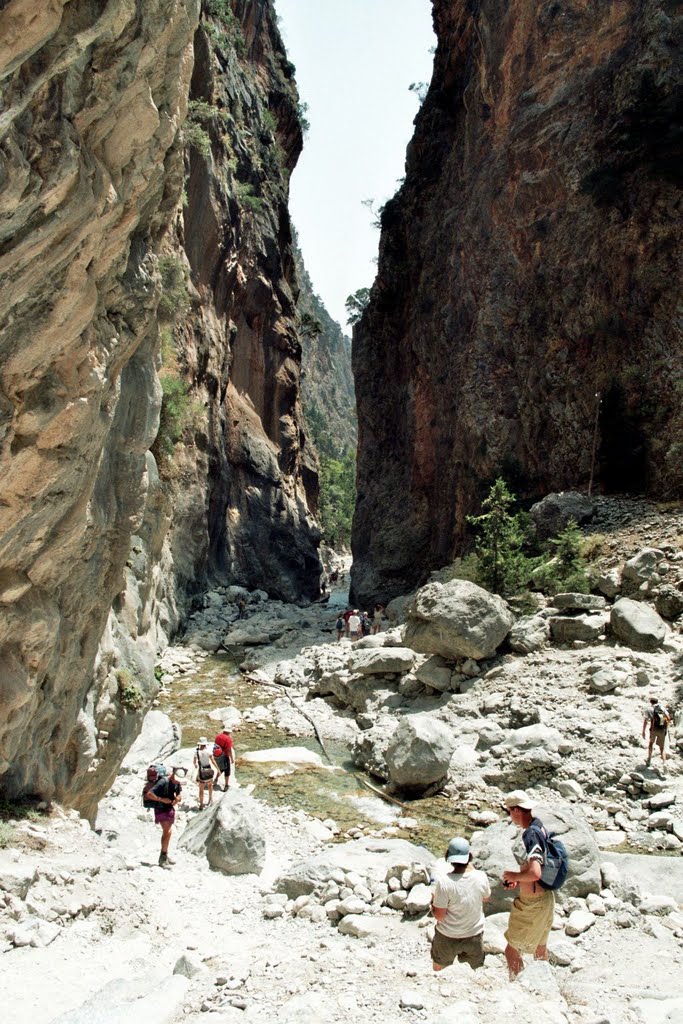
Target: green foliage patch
[(508, 561), (355, 305), (130, 694), (175, 296)]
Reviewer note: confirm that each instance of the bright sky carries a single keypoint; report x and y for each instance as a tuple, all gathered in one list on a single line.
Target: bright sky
[(355, 60)]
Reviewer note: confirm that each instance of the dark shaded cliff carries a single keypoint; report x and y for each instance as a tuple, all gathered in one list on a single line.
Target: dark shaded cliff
[(146, 278), (530, 261), (243, 478)]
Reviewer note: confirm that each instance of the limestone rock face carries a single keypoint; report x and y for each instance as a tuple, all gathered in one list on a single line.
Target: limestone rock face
[(502, 304), (244, 478), (91, 170), (457, 620), (144, 245)]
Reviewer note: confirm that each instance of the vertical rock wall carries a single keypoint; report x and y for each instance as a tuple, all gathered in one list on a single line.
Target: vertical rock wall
[(245, 479), (97, 553), (530, 262)]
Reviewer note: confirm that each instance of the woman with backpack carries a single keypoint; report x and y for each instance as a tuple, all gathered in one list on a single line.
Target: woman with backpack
[(207, 769)]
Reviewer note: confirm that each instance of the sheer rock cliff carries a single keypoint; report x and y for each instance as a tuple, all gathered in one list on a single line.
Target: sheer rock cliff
[(114, 203), (530, 262)]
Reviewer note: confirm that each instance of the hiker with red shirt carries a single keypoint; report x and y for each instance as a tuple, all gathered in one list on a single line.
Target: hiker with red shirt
[(224, 754)]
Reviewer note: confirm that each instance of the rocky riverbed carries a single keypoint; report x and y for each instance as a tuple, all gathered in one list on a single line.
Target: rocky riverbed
[(319, 910)]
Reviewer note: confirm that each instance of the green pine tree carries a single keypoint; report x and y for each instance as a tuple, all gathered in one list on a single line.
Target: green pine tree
[(503, 567)]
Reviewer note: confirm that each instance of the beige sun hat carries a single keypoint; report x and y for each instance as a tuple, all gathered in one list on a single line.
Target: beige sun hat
[(518, 798), (202, 741)]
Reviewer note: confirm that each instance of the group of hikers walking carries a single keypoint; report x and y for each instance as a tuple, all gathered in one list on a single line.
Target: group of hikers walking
[(163, 790), (354, 624)]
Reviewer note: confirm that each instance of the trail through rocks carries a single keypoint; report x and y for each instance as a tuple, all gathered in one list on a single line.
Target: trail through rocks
[(92, 930)]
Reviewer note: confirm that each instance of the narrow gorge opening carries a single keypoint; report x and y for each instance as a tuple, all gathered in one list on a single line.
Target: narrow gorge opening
[(623, 451)]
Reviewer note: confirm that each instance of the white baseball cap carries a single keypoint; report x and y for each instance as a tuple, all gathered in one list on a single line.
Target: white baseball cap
[(518, 798)]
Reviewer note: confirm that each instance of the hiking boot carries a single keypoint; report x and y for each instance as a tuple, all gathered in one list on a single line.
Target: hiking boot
[(165, 861)]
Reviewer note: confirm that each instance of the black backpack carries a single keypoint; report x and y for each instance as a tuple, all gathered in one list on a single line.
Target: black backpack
[(660, 719)]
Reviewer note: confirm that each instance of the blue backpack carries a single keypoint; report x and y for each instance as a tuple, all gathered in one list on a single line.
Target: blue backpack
[(556, 861)]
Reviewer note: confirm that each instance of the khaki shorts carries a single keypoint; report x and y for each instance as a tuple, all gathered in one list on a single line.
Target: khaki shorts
[(446, 950), (531, 919)]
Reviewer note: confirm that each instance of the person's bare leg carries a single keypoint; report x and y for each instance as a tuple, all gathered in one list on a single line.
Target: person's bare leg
[(210, 786), (201, 796), (514, 961), (541, 953), (166, 829)]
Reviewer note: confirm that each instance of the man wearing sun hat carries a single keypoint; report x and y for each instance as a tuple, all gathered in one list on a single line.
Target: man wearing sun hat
[(457, 905), (531, 915)]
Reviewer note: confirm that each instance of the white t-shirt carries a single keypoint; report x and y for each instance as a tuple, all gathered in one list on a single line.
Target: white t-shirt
[(462, 897), (354, 624)]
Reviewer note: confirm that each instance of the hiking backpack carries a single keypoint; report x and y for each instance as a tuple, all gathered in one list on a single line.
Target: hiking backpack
[(660, 719), (217, 750), (154, 773), (556, 860)]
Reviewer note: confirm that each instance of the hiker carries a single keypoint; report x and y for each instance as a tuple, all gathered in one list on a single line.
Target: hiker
[(224, 754), (658, 718), (241, 608), (365, 624), (207, 770), (347, 615), (166, 793), (354, 625), (457, 905), (531, 915), (340, 626), (377, 618)]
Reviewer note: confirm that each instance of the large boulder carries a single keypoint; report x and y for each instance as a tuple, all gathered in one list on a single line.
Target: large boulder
[(229, 834), (669, 602), (529, 634), (567, 628), (382, 661), (419, 752), (457, 620), (643, 567), (555, 511), (492, 849), (435, 672), (158, 739), (637, 625)]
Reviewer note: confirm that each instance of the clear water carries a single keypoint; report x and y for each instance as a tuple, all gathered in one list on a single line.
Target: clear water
[(341, 795)]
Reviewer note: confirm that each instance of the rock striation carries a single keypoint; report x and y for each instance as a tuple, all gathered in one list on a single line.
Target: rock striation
[(151, 435), (527, 264)]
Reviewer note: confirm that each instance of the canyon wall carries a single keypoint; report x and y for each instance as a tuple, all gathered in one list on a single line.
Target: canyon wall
[(146, 277), (529, 263)]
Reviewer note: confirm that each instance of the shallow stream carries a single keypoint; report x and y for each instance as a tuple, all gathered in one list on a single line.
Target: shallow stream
[(337, 793)]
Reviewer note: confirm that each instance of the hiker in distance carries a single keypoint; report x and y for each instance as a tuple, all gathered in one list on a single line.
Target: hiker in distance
[(542, 868), (457, 905), (207, 769), (658, 718), (166, 796)]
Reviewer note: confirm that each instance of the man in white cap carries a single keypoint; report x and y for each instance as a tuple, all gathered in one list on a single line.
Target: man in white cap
[(457, 905), (531, 916)]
